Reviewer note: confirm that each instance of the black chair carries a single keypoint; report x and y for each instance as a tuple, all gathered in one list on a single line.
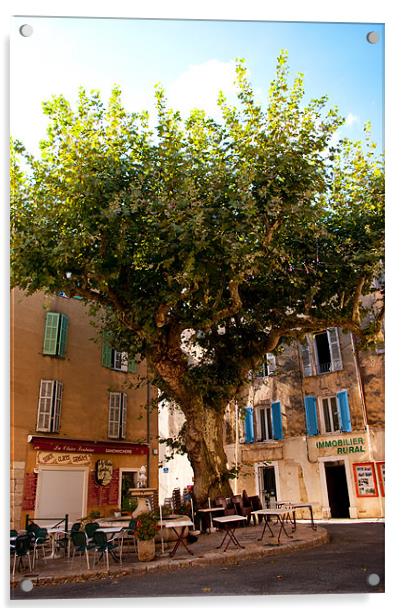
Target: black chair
[(80, 545), (40, 542), (256, 505), (21, 549), (128, 534), (104, 546), (90, 530)]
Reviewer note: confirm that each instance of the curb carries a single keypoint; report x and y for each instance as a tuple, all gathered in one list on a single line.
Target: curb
[(203, 560)]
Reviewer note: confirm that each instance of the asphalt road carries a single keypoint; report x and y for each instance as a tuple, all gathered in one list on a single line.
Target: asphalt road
[(353, 562)]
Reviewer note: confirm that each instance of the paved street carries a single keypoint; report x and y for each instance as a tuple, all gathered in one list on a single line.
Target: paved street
[(356, 551)]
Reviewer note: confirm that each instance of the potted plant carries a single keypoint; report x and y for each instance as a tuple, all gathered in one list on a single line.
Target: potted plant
[(145, 531)]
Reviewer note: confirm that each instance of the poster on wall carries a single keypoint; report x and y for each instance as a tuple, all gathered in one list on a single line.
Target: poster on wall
[(380, 477), (365, 479)]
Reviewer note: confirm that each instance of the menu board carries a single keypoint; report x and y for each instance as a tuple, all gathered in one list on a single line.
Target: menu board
[(365, 479), (380, 475)]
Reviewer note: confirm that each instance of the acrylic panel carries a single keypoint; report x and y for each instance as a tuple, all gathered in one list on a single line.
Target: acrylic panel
[(191, 199)]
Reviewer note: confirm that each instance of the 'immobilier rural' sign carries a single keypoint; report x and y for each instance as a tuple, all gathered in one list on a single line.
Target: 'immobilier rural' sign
[(344, 445)]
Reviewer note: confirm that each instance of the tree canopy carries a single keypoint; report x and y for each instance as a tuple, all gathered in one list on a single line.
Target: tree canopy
[(198, 237)]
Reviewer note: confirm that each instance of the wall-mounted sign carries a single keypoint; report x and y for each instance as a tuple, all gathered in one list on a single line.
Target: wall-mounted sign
[(365, 479), (380, 475), (45, 443), (343, 445), (51, 457), (103, 472)]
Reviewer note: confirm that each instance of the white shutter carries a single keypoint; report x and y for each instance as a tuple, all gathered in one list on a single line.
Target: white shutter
[(258, 432), (114, 415), (57, 396), (123, 414), (124, 362), (44, 417), (271, 363), (335, 353), (306, 358)]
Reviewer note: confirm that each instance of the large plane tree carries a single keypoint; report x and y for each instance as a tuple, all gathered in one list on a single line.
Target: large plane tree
[(204, 243)]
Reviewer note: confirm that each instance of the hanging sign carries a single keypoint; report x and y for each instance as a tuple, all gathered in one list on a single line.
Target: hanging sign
[(365, 479), (103, 472), (380, 475)]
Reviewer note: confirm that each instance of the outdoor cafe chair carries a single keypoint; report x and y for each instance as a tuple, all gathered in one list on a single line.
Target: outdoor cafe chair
[(90, 530), (40, 541), (20, 549), (104, 546), (80, 545), (128, 534)]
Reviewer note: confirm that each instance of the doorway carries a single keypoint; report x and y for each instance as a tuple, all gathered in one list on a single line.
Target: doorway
[(337, 489), (267, 482), (129, 480)]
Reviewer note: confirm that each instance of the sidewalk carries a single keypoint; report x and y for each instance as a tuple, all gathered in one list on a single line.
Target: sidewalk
[(205, 550)]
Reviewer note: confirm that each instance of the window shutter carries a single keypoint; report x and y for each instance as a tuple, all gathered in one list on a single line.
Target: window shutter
[(62, 338), (50, 335), (249, 435), (57, 396), (131, 365), (123, 414), (43, 423), (277, 421), (306, 358), (311, 416), (335, 353), (345, 415), (106, 352), (114, 415)]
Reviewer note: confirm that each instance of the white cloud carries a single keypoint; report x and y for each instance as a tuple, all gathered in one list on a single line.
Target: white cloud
[(351, 119), (199, 86)]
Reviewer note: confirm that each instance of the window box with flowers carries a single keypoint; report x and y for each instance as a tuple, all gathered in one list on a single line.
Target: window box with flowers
[(145, 532)]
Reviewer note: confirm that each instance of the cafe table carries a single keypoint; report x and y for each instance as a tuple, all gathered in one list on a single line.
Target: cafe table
[(282, 514), (299, 506), (178, 527), (230, 523), (210, 511)]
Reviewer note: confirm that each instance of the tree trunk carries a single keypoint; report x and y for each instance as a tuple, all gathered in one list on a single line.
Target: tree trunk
[(203, 437)]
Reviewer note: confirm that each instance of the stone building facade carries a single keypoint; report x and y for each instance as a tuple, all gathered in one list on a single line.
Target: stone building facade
[(82, 427), (310, 428)]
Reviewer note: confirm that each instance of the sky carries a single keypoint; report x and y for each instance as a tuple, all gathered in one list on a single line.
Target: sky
[(193, 60)]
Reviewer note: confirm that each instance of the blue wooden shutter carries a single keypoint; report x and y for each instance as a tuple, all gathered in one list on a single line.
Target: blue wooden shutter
[(345, 415), (276, 421), (62, 336), (311, 416), (50, 335), (249, 435)]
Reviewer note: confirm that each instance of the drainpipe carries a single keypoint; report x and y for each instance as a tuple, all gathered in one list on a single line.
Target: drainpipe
[(149, 408), (236, 447)]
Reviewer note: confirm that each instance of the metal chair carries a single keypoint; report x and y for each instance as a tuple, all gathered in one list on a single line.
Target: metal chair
[(104, 546), (21, 549), (40, 542), (128, 533), (80, 544)]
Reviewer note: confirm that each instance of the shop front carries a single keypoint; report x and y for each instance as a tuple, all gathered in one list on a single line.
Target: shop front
[(80, 478)]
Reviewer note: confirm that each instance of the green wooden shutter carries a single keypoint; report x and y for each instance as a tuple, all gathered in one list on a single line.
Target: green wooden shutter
[(106, 352), (62, 337), (131, 365), (51, 333)]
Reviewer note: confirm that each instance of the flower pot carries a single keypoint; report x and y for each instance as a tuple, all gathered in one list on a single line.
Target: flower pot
[(146, 549)]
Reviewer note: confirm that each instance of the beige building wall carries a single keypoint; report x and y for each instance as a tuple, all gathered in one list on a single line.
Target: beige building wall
[(85, 401), (299, 461)]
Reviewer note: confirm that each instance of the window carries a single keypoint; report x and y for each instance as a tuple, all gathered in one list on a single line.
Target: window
[(321, 353), (49, 407), (330, 420), (55, 334), (335, 414), (117, 415), (116, 360), (268, 367), (269, 422)]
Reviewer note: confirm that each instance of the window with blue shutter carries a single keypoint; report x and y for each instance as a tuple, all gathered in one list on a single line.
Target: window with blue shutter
[(277, 421), (345, 415), (55, 334), (311, 416), (249, 435)]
